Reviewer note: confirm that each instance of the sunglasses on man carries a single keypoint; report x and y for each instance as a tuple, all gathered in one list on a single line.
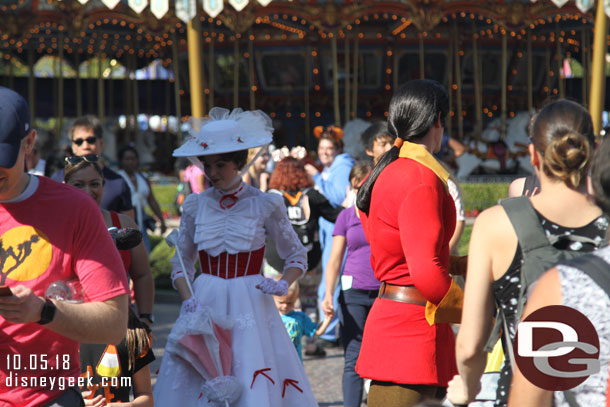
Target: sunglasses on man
[(89, 140), (75, 159)]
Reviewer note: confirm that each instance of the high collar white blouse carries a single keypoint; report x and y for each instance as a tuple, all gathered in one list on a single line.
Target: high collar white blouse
[(238, 223)]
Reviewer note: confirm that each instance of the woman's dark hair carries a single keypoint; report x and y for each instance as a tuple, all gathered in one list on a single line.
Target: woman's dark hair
[(137, 338), (359, 172), (562, 133), (414, 108), (70, 170), (600, 176), (238, 157), (124, 150), (290, 175), (332, 133)]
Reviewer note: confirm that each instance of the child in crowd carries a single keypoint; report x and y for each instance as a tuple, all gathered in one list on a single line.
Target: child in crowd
[(297, 322), (110, 365)]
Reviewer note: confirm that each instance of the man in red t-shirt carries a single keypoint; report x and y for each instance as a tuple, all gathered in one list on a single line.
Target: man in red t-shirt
[(49, 232)]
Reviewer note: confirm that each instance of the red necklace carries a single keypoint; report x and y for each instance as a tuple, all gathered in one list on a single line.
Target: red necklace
[(228, 201)]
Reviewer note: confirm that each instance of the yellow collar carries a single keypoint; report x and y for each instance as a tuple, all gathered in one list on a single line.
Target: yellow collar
[(417, 152)]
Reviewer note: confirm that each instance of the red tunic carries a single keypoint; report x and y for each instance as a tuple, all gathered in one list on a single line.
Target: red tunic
[(410, 223)]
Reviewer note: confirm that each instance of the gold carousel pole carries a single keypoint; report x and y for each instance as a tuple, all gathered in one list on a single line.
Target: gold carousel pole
[(458, 82), (598, 77), (559, 57), (31, 81), (346, 81), (306, 94), (211, 65), (448, 125), (79, 85), (100, 85), (530, 77), (60, 88), (354, 104), (175, 67), (333, 45), (193, 33), (585, 65), (236, 72), (135, 93), (110, 83), (478, 102), (251, 68), (504, 82), (422, 66)]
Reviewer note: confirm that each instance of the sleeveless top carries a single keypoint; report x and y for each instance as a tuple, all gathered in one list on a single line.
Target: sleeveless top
[(506, 288)]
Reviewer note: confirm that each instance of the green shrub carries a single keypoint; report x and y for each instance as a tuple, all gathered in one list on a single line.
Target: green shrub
[(165, 195), (160, 264), (154, 241), (465, 241), (480, 196)]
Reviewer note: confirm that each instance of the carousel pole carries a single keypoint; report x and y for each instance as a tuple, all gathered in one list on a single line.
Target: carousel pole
[(395, 62), (333, 45), (236, 72), (60, 88), (128, 98), (110, 98), (306, 94), (175, 67), (211, 65), (448, 125), (100, 86), (90, 77), (347, 84), (585, 65), (54, 92), (148, 93), (530, 77), (135, 92), (547, 60), (559, 57), (251, 68), (422, 66), (458, 82), (504, 82), (11, 74), (193, 33), (478, 105), (168, 95), (598, 77), (31, 81), (354, 104), (79, 85)]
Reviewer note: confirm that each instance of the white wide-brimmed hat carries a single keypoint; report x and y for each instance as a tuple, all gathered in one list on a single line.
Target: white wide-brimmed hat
[(227, 131)]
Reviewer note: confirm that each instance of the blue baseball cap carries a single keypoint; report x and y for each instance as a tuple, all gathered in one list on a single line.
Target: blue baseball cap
[(14, 125)]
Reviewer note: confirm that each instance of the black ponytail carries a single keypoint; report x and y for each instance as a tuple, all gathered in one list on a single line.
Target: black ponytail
[(414, 108)]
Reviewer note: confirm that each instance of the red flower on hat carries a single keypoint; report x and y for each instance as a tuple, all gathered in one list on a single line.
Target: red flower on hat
[(239, 140), (204, 145)]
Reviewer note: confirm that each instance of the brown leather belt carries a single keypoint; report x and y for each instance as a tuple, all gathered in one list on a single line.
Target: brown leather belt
[(401, 293)]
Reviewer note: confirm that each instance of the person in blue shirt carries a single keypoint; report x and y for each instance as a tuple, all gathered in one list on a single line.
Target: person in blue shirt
[(333, 182), (298, 323)]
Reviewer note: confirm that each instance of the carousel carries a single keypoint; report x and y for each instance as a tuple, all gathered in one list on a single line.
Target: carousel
[(148, 65)]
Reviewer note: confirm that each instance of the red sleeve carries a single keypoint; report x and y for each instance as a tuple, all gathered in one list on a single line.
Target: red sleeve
[(96, 259), (422, 237)]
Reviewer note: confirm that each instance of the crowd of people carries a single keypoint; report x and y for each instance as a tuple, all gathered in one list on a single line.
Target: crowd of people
[(380, 234)]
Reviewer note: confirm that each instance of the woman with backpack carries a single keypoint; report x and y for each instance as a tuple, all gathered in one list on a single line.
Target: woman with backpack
[(579, 287), (504, 255), (305, 206)]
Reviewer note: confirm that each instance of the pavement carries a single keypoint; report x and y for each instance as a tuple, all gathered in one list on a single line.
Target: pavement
[(325, 373)]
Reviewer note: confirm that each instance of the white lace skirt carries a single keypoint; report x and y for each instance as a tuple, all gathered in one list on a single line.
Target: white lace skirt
[(259, 341)]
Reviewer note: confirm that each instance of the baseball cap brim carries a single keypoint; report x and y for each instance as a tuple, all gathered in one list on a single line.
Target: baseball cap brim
[(8, 154)]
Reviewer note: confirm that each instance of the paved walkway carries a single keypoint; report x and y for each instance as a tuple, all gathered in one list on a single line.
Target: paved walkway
[(324, 373)]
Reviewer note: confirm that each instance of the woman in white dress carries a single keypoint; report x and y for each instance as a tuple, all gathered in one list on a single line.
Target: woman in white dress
[(225, 227)]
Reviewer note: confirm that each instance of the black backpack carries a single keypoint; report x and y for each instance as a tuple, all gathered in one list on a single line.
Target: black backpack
[(298, 215), (539, 255)]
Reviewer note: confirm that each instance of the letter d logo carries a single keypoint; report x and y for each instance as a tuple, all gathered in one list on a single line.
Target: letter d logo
[(526, 342)]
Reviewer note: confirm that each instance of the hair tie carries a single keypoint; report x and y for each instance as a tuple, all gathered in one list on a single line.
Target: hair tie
[(318, 131), (398, 142)]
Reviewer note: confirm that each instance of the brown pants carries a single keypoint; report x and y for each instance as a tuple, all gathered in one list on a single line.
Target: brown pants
[(388, 394)]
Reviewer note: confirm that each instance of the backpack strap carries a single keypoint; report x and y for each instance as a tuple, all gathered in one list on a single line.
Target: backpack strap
[(595, 267), (526, 223)]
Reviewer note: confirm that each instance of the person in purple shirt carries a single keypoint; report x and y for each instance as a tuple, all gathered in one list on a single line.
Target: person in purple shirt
[(359, 287)]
